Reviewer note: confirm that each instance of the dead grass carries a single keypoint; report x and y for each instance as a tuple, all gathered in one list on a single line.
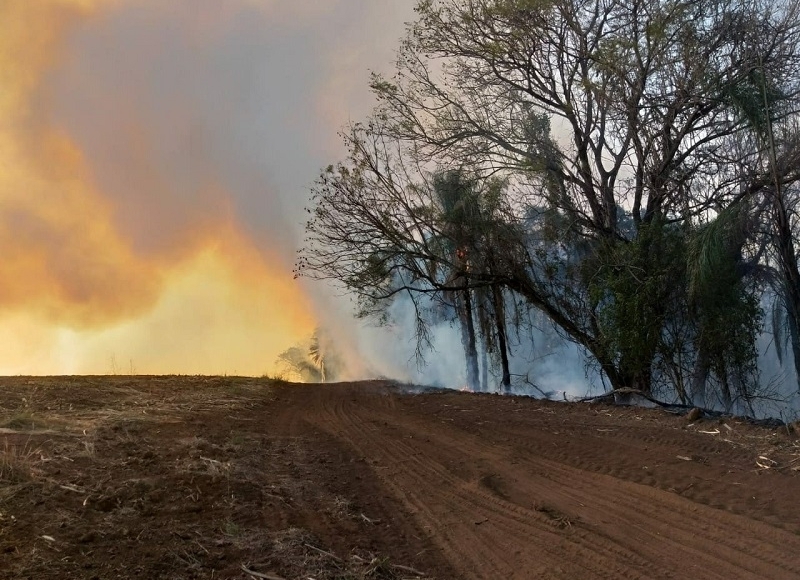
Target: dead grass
[(18, 463), (89, 448), (558, 518), (298, 552), (94, 459), (776, 448), (21, 421), (341, 507), (25, 420)]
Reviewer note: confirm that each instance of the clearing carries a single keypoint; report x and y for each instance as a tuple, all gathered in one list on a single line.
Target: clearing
[(224, 477)]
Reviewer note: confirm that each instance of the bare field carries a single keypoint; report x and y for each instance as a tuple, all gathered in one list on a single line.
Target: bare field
[(212, 477)]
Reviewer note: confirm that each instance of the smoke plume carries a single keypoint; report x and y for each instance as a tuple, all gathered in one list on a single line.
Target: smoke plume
[(155, 158)]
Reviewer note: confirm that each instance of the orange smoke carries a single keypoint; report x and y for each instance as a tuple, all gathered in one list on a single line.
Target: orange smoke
[(76, 295)]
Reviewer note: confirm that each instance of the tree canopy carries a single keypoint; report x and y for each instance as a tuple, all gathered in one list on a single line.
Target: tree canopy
[(627, 168)]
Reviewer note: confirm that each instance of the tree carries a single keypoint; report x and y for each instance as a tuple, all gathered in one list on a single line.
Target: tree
[(459, 217), (723, 302), (314, 360), (467, 216), (610, 121), (770, 109), (384, 234)]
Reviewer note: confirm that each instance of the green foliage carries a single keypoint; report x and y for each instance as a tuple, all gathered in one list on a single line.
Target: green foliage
[(635, 286), (754, 97), (725, 306), (671, 275), (714, 248), (460, 204), (597, 228), (467, 219)]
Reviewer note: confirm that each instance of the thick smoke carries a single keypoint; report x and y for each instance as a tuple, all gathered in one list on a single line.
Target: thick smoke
[(541, 362), (156, 158)]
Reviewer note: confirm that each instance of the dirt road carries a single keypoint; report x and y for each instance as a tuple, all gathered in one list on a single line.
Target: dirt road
[(513, 488), (236, 478)]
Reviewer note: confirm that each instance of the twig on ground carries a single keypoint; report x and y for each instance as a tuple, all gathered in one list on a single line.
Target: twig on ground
[(369, 520), (74, 488), (611, 394), (325, 552), (765, 462), (261, 575), (408, 569)]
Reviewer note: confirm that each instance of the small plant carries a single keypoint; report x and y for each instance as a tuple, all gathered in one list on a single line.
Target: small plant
[(342, 507), (88, 448), (231, 529), (21, 421), (18, 462), (379, 568), (237, 439)]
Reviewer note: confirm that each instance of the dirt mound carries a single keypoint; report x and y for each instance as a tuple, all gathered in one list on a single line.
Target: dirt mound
[(187, 477)]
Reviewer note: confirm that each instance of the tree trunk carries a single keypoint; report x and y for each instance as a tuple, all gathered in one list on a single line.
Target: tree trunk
[(794, 336), (502, 343), (785, 242), (484, 368), (468, 339), (639, 380), (702, 367), (791, 283), (625, 375)]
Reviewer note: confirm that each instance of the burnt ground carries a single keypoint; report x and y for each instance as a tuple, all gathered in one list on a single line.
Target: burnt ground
[(212, 477)]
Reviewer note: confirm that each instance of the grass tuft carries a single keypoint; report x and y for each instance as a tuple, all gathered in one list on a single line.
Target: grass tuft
[(18, 462), (22, 421)]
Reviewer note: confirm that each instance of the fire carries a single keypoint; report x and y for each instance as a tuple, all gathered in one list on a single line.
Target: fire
[(78, 292)]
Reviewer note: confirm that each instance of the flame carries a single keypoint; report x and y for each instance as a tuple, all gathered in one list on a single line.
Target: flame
[(77, 295)]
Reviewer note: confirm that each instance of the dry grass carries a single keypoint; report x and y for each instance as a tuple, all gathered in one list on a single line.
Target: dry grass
[(97, 449), (558, 518), (21, 421), (18, 463), (298, 552)]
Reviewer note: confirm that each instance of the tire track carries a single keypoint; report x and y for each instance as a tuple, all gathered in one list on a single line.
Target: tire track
[(544, 518), (616, 505)]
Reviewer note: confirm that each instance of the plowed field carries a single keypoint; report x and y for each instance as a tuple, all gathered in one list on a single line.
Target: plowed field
[(195, 477)]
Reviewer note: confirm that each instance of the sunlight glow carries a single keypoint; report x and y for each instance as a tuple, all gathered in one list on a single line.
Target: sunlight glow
[(77, 296)]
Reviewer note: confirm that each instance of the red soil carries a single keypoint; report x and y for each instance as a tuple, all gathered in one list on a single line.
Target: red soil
[(181, 477)]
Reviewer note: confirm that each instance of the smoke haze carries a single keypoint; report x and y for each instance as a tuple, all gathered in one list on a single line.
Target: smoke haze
[(155, 159)]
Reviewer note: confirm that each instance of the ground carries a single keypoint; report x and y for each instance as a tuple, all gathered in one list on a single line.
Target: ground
[(198, 477)]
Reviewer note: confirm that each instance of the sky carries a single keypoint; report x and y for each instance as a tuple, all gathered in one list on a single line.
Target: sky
[(155, 161)]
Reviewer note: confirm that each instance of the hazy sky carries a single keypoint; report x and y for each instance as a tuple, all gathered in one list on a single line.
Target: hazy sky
[(155, 158)]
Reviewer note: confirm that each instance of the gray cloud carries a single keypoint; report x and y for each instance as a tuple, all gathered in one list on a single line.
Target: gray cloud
[(188, 110)]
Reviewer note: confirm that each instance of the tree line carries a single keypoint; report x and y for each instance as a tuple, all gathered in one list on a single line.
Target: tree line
[(627, 170)]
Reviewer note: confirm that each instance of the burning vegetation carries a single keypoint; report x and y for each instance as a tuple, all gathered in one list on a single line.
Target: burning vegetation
[(314, 360), (626, 173)]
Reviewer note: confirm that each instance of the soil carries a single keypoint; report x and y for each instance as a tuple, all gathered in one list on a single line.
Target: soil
[(225, 477)]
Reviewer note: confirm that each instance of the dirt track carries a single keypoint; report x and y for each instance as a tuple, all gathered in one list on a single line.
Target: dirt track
[(511, 488), (187, 477)]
